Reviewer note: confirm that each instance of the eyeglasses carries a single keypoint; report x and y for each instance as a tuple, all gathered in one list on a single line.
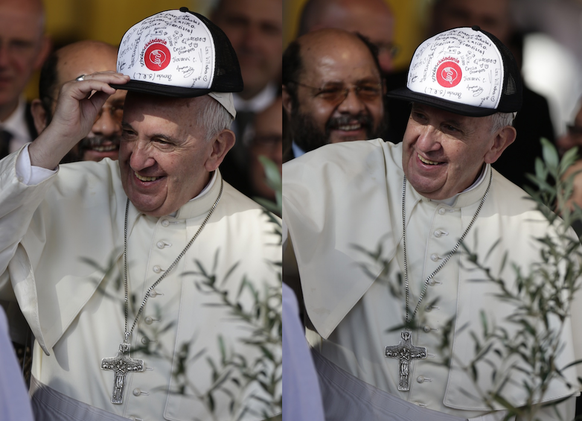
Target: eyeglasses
[(336, 93), (574, 130)]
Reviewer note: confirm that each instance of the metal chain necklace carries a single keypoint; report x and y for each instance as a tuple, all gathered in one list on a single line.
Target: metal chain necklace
[(122, 363), (405, 351)]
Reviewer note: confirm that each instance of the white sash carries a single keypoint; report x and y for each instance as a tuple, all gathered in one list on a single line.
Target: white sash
[(346, 397), (50, 405)]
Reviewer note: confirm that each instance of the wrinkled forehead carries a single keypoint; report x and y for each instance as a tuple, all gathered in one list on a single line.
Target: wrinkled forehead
[(444, 115), (182, 112)]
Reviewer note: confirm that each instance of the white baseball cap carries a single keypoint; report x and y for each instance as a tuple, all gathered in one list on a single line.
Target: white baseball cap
[(466, 71), (180, 53)]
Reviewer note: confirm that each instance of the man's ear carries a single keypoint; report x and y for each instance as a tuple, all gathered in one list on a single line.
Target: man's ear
[(220, 144), (287, 102), (39, 115), (503, 139)]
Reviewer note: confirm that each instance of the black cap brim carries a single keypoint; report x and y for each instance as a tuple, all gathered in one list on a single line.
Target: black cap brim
[(158, 89), (406, 94)]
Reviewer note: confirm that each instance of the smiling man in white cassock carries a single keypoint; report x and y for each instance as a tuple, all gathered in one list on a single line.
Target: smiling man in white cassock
[(110, 261), (417, 201)]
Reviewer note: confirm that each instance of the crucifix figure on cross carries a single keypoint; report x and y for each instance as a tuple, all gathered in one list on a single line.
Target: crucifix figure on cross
[(405, 352), (121, 364)]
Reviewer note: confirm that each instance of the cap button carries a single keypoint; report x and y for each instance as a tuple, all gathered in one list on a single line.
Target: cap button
[(184, 9), (474, 27)]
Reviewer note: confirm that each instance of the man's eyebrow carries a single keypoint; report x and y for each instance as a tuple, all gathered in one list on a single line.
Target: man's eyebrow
[(454, 122)]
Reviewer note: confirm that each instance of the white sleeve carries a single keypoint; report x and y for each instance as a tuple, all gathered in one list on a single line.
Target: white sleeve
[(27, 173)]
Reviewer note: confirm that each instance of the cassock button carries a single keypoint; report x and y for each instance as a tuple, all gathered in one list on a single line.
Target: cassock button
[(160, 244), (438, 233), (419, 379), (426, 329), (144, 340), (442, 211), (165, 223), (136, 392), (157, 269), (434, 257), (149, 320)]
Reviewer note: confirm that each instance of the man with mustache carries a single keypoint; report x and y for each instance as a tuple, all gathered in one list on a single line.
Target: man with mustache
[(66, 64), (332, 91)]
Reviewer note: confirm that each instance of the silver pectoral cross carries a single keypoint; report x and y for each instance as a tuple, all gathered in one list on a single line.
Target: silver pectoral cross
[(405, 352), (121, 364)]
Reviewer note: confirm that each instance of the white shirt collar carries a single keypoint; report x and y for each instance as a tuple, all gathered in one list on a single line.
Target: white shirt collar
[(257, 103), (16, 124)]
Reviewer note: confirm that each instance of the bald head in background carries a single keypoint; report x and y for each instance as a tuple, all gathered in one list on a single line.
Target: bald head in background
[(68, 63), (23, 49), (370, 18)]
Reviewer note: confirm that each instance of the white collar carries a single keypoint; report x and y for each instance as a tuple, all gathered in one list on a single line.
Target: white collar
[(16, 123), (257, 103)]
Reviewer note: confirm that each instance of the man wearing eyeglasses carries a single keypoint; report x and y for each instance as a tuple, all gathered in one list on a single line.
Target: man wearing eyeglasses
[(332, 90), (66, 64)]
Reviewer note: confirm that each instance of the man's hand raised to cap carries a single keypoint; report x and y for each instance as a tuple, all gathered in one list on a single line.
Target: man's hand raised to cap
[(78, 104)]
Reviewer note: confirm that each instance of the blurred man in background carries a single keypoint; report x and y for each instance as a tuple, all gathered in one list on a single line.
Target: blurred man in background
[(370, 18), (66, 64), (255, 28), (375, 20), (266, 140), (332, 90), (23, 48)]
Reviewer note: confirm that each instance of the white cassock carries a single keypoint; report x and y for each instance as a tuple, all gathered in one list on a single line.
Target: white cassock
[(61, 250), (14, 401), (343, 198), (300, 384)]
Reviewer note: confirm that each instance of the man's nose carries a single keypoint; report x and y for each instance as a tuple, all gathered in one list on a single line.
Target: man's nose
[(428, 139), (106, 123), (140, 156), (352, 103)]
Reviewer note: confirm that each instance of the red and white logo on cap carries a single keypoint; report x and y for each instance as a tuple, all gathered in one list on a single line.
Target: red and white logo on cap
[(448, 74), (157, 55)]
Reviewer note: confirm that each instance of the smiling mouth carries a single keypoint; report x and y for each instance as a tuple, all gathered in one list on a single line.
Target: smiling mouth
[(107, 148), (426, 161), (145, 179), (349, 127)]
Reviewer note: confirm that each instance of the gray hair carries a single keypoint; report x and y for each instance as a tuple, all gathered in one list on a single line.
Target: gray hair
[(500, 120), (213, 117)]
